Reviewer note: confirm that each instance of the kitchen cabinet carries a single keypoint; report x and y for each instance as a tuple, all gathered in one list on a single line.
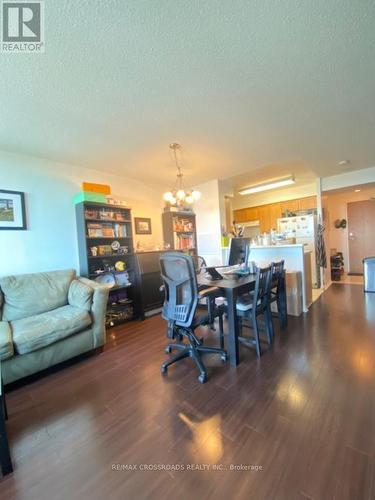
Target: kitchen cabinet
[(268, 214), (252, 213), (275, 213), (240, 215), (264, 218), (307, 203), (290, 206)]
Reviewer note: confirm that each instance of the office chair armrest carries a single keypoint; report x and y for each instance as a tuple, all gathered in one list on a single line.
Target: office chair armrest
[(208, 291)]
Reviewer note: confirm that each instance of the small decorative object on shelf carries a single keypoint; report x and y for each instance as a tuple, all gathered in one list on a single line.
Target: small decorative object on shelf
[(179, 231), (106, 254)]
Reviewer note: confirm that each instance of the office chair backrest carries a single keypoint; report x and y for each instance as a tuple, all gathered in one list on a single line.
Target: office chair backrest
[(277, 273), (262, 286), (180, 287)]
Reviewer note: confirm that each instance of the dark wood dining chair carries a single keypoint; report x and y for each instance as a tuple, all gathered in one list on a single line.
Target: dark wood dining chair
[(278, 292), (254, 304)]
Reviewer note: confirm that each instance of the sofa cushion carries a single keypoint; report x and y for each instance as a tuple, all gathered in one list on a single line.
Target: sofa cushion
[(80, 295), (35, 332), (31, 294), (6, 344)]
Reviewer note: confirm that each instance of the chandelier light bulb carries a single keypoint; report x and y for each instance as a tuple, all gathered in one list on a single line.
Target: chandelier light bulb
[(168, 196), (180, 194)]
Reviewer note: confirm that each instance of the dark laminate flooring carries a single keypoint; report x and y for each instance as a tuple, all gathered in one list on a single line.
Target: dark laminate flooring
[(304, 413)]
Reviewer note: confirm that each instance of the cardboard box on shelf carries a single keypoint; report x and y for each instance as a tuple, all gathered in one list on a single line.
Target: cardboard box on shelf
[(96, 188), (293, 283)]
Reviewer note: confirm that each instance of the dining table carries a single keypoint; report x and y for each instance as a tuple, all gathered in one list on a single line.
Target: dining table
[(231, 287)]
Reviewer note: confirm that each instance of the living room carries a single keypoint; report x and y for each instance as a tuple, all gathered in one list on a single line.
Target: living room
[(232, 142)]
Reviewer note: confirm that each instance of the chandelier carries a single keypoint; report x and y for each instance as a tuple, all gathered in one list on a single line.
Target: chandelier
[(179, 196)]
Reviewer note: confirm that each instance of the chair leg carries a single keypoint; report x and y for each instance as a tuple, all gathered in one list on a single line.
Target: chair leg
[(178, 347), (269, 324), (197, 358), (256, 334), (213, 350), (282, 310), (181, 355)]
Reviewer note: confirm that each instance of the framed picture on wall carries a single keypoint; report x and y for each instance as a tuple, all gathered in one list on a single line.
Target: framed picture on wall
[(12, 210), (142, 225)]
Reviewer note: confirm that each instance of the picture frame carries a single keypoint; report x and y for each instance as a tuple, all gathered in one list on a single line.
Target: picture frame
[(12, 210), (142, 225)]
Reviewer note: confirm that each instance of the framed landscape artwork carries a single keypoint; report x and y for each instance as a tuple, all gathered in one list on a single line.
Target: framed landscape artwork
[(12, 210), (142, 225)]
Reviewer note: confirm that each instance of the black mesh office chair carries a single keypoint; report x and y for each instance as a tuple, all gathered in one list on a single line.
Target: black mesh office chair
[(278, 292), (183, 313), (254, 304)]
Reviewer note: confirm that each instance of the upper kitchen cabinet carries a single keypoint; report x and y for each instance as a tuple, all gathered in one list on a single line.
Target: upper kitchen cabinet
[(264, 218), (307, 203), (275, 213), (290, 206), (252, 213), (268, 214)]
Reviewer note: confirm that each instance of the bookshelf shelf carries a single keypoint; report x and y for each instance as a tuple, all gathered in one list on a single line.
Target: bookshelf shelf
[(109, 220), (99, 225), (179, 231)]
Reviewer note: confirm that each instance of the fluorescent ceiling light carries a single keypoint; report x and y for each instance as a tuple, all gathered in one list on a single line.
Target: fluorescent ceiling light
[(265, 186)]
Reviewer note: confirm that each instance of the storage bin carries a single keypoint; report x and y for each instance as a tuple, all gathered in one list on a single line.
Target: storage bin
[(369, 274)]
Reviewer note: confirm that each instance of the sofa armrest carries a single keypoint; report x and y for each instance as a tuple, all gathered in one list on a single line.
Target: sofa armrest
[(6, 341), (98, 310)]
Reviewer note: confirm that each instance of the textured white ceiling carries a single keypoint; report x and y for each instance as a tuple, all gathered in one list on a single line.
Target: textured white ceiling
[(241, 84)]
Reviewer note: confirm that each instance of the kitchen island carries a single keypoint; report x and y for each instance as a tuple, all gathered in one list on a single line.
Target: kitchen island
[(295, 257)]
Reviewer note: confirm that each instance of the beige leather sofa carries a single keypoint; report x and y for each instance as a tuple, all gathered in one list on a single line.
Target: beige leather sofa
[(47, 318)]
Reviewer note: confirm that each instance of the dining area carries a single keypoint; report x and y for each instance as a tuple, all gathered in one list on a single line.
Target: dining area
[(243, 302)]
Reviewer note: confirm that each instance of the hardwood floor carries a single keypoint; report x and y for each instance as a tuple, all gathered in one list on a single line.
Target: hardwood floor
[(304, 413)]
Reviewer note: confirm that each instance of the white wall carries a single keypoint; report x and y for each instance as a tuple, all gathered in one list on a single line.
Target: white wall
[(354, 178), (207, 211), (273, 196), (50, 242)]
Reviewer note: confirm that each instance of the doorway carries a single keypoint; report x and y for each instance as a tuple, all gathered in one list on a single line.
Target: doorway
[(361, 234)]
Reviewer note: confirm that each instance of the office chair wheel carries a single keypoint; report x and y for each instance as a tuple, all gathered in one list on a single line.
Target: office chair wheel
[(224, 357), (168, 349), (202, 378), (163, 369)]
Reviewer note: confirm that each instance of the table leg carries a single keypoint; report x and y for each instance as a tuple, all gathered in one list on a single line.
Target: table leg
[(5, 460), (231, 296)]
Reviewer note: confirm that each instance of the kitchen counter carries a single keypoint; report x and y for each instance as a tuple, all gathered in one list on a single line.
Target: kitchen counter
[(287, 245), (295, 257)]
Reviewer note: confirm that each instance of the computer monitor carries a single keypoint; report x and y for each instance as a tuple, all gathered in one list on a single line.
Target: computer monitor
[(239, 251)]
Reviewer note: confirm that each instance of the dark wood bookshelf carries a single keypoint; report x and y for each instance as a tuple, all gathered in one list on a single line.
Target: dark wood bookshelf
[(180, 231), (123, 297)]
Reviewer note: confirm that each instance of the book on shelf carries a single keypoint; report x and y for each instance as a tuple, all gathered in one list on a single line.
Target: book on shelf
[(182, 224), (120, 231), (103, 230), (184, 241)]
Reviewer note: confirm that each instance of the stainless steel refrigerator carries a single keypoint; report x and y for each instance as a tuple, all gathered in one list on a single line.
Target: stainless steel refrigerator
[(303, 229)]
